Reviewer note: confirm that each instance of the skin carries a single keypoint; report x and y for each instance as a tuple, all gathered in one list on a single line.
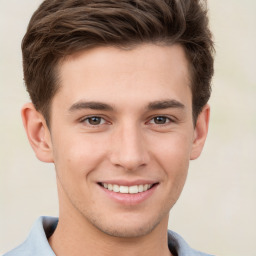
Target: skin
[(125, 142)]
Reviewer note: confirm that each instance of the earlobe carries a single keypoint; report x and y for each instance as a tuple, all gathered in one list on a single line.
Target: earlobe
[(37, 132), (200, 132)]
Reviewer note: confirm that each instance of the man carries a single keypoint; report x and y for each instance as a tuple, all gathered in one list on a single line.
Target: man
[(119, 94)]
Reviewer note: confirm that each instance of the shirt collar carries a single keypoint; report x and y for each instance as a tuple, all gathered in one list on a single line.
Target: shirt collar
[(37, 241)]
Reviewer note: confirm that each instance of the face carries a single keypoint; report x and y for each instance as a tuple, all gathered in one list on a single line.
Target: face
[(122, 136)]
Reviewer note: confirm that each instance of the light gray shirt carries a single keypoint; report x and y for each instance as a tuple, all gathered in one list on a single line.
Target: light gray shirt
[(37, 242)]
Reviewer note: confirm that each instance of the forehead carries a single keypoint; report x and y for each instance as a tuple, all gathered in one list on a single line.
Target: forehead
[(144, 73)]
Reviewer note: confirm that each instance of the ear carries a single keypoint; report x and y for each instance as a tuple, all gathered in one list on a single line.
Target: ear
[(37, 132), (200, 132)]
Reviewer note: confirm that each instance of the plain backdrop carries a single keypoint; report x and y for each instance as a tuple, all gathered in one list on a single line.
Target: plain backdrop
[(217, 210)]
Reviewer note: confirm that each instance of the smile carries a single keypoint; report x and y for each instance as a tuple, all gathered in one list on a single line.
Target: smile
[(127, 189)]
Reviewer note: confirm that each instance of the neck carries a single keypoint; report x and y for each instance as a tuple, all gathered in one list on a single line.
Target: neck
[(81, 238), (75, 235)]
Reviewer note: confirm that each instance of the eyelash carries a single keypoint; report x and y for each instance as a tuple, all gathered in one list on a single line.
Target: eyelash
[(87, 119), (167, 120)]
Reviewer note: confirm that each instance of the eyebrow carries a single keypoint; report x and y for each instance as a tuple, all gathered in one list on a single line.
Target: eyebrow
[(164, 104), (155, 105), (90, 105)]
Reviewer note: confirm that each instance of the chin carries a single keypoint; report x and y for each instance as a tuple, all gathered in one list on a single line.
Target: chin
[(127, 232), (128, 228)]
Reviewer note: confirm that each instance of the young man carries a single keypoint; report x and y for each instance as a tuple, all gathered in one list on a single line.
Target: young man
[(119, 95)]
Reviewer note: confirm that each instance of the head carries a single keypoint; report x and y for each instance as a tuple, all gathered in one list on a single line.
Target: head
[(119, 90), (61, 28)]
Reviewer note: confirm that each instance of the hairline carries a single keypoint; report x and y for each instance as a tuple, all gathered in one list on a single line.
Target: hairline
[(123, 46)]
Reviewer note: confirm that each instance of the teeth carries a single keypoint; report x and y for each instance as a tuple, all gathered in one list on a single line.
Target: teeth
[(116, 188), (127, 189), (145, 187), (124, 189), (133, 190), (141, 188)]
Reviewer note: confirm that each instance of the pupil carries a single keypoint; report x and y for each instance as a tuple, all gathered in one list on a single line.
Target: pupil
[(160, 120), (94, 120)]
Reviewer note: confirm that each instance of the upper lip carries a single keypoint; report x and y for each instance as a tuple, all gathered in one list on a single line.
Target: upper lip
[(128, 183)]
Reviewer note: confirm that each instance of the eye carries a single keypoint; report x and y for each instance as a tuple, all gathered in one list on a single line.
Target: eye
[(160, 120), (94, 120)]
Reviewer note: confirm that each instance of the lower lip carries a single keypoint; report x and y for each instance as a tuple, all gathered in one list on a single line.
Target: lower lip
[(129, 199)]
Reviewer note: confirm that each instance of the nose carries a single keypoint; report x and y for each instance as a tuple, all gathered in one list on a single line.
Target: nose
[(129, 149)]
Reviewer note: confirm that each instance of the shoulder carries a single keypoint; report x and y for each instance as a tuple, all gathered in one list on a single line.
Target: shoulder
[(21, 250), (179, 246), (36, 243)]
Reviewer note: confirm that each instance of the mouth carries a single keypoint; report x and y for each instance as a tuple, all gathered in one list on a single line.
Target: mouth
[(129, 193), (121, 189)]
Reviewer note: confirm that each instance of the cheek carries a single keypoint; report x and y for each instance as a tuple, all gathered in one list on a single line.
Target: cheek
[(173, 154), (75, 157), (173, 149), (175, 165)]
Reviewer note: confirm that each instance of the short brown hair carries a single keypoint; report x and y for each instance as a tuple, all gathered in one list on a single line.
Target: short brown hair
[(59, 28)]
